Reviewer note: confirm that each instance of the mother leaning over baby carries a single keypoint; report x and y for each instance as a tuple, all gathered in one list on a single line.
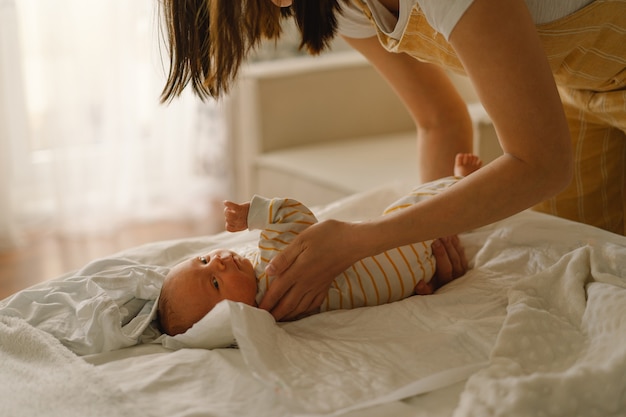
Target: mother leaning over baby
[(551, 75)]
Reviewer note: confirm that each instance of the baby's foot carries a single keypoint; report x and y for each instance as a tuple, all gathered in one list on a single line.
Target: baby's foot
[(466, 163)]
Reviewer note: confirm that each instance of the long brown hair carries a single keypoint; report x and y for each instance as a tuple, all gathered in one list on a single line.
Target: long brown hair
[(209, 39)]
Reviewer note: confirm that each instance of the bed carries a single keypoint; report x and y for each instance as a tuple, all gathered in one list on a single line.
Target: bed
[(536, 327)]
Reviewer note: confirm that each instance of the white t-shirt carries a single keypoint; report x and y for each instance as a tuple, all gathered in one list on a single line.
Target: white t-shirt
[(442, 15)]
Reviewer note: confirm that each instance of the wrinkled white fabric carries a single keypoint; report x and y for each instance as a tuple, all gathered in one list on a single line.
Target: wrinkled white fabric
[(40, 377), (562, 348), (110, 303)]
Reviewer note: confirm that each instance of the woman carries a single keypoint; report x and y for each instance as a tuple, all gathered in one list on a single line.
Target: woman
[(514, 53)]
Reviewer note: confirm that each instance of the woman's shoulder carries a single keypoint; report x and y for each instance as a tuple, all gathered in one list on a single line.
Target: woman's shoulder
[(442, 15)]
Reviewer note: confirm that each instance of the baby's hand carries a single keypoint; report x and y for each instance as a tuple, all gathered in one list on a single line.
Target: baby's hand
[(236, 216)]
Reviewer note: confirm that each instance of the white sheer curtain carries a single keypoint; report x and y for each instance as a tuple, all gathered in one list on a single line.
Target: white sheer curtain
[(84, 143)]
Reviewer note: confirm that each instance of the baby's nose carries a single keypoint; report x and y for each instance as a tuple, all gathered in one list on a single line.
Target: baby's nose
[(218, 261), (223, 254)]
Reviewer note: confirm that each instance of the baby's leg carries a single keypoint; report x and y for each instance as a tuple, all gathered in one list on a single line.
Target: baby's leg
[(466, 163)]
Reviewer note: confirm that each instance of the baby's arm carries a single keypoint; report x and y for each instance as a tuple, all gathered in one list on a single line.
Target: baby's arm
[(291, 214), (236, 216), (279, 215)]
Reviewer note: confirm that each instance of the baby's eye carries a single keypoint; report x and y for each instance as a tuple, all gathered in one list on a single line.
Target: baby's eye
[(215, 283), (203, 260)]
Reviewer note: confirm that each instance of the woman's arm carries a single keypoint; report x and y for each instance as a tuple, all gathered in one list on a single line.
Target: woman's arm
[(502, 54), (444, 127), (510, 72), (500, 49)]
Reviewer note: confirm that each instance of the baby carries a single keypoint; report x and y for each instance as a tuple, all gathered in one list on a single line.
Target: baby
[(193, 287)]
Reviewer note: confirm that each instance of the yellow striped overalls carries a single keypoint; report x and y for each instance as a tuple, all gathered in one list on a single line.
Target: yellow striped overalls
[(587, 53)]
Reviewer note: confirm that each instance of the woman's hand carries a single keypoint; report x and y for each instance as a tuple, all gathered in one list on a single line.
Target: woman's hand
[(451, 264), (236, 216), (304, 270)]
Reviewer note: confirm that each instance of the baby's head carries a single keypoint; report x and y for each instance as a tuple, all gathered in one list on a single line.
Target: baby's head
[(193, 287)]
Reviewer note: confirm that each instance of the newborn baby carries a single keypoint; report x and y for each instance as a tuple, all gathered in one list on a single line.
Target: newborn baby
[(193, 287)]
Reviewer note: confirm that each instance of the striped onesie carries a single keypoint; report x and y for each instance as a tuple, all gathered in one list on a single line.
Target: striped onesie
[(384, 278)]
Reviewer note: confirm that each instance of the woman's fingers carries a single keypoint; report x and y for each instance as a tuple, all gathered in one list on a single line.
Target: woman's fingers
[(275, 299), (458, 259), (425, 288), (294, 307), (450, 258), (304, 270)]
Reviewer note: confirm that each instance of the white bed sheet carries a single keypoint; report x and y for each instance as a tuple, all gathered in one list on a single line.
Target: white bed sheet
[(536, 327)]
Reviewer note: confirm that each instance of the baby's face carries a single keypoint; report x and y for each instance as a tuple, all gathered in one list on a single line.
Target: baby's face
[(198, 284)]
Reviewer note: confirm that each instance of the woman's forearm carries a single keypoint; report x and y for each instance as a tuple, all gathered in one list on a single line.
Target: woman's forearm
[(502, 188), (436, 161)]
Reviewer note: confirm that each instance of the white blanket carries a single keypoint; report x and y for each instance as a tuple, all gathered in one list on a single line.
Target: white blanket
[(562, 348), (538, 325), (40, 377)]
